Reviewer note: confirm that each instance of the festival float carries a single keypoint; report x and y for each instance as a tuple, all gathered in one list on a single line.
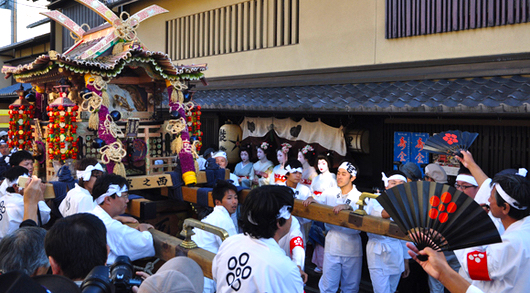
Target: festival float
[(111, 98)]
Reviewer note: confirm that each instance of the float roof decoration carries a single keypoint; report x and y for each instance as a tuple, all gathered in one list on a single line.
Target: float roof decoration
[(91, 52)]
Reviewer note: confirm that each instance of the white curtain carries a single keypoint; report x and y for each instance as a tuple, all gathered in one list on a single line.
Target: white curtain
[(328, 137)]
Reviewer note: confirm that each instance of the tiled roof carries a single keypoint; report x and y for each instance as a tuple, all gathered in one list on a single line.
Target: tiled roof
[(477, 95), (11, 91)]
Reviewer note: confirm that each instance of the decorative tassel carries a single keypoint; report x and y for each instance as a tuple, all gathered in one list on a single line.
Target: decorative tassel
[(105, 98), (174, 96), (93, 121), (176, 145), (181, 96), (119, 169)]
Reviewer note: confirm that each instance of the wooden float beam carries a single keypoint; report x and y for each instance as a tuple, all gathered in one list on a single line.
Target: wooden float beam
[(167, 247), (322, 213)]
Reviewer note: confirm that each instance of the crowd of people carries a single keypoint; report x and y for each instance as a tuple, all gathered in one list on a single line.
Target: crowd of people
[(266, 247)]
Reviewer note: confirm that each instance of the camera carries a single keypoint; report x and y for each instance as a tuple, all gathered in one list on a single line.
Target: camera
[(116, 279)]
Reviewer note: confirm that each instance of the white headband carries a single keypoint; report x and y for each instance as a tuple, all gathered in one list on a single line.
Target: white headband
[(510, 200), (393, 177), (219, 154), (522, 172), (88, 171), (467, 178), (284, 213), (293, 170), (349, 167), (113, 189)]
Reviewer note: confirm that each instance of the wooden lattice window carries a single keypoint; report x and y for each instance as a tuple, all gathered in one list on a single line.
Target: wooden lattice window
[(405, 18), (245, 26)]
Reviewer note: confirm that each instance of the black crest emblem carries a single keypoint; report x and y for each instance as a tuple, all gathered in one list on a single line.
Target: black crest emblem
[(239, 271), (251, 126), (295, 131)]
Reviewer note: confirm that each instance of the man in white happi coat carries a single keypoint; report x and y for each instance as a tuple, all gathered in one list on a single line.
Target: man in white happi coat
[(79, 199), (343, 249), (12, 203), (293, 176), (387, 257), (253, 261), (225, 198), (505, 266), (111, 195)]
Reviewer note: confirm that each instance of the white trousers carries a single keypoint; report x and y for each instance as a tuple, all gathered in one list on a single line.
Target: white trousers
[(383, 283), (346, 270)]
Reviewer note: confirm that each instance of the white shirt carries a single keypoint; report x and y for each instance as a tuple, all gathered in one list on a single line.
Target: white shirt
[(220, 218), (321, 183), (77, 200), (246, 264), (235, 179), (508, 262), (342, 241), (12, 212), (289, 243), (124, 240), (382, 252)]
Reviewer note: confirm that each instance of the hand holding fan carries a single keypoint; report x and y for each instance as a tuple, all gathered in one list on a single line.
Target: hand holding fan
[(438, 216), (449, 142)]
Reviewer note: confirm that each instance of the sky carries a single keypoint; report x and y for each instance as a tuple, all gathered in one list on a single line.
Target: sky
[(28, 13)]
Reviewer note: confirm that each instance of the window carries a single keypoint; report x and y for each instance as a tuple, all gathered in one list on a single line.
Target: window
[(405, 18), (250, 25)]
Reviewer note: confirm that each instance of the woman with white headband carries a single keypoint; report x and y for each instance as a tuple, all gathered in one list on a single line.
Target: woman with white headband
[(111, 194), (505, 266), (386, 256), (79, 199)]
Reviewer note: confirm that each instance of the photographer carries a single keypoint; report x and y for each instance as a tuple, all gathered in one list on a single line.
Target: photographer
[(75, 245)]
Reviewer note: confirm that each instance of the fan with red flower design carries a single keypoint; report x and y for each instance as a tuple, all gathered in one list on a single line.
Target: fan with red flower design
[(438, 216), (450, 142)]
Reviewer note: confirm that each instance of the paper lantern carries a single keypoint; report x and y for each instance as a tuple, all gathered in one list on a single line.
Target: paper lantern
[(229, 139)]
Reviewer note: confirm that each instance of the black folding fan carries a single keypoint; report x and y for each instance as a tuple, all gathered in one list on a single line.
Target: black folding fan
[(438, 216), (449, 142)]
